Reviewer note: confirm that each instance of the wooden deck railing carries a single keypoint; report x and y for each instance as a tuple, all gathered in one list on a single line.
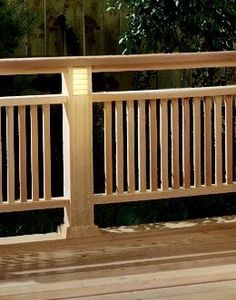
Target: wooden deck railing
[(157, 143)]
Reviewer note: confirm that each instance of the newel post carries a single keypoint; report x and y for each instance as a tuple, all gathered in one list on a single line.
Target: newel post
[(78, 174)]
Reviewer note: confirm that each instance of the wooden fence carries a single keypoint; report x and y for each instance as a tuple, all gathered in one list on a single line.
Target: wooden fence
[(157, 143)]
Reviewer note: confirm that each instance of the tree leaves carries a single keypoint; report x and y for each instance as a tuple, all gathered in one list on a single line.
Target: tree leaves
[(177, 25)]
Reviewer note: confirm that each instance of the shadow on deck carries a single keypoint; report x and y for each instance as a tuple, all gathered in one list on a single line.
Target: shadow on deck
[(190, 262)]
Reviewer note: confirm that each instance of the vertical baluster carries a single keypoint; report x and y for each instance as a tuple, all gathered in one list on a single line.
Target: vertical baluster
[(207, 141), (197, 141), (10, 155), (22, 153), (46, 152), (119, 148), (108, 147), (1, 198), (229, 139), (153, 144), (164, 144), (142, 145), (175, 143), (186, 143), (130, 146), (218, 139), (34, 152)]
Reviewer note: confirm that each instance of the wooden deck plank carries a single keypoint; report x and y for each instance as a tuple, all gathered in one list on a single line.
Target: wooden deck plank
[(146, 263)]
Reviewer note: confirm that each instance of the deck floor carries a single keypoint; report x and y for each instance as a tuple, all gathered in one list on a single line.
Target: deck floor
[(190, 263)]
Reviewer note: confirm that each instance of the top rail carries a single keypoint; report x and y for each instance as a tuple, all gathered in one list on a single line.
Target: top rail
[(33, 100), (165, 93), (119, 63)]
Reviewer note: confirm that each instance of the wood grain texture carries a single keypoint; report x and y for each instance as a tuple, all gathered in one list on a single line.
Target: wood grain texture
[(164, 144), (207, 141), (186, 142), (10, 155), (197, 142), (164, 93), (142, 146), (218, 139), (108, 148), (34, 152), (153, 144), (46, 152), (164, 263), (175, 143), (130, 147), (120, 62), (229, 138), (22, 153), (119, 148)]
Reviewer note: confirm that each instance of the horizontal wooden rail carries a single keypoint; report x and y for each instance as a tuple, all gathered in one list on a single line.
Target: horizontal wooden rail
[(33, 100), (163, 194), (165, 93), (119, 63), (32, 205)]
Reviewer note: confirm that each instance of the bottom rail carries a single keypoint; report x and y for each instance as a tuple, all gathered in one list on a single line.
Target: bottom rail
[(34, 205), (164, 194)]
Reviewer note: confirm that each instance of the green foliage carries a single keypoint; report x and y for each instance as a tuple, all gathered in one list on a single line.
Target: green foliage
[(177, 25), (14, 23)]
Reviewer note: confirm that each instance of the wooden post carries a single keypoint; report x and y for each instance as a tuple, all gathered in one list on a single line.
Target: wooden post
[(78, 175)]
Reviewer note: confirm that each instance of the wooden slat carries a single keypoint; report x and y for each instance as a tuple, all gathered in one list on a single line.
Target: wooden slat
[(164, 144), (1, 198), (153, 144), (22, 154), (142, 145), (165, 93), (207, 141), (46, 152), (34, 152), (197, 141), (175, 143), (108, 147), (186, 143), (119, 62), (119, 148), (218, 139), (10, 155), (130, 147), (33, 100), (229, 138)]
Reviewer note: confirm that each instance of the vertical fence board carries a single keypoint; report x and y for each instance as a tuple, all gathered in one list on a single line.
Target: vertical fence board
[(130, 146), (119, 148), (218, 139), (108, 148), (22, 153), (34, 152), (153, 144), (142, 145), (197, 141), (1, 198), (175, 143), (10, 155), (164, 144), (229, 139), (46, 152), (66, 136), (207, 141), (186, 143)]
